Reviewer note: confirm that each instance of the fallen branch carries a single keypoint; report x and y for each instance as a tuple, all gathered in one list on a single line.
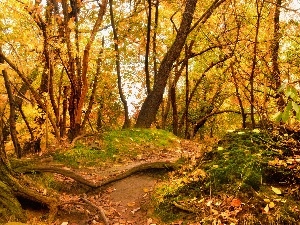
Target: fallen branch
[(71, 174), (184, 208)]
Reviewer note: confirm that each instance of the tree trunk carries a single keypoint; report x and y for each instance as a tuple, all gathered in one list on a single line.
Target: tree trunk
[(148, 83), (174, 103), (152, 102), (238, 95), (254, 63), (187, 94), (275, 51), (117, 52), (154, 39), (12, 115), (11, 187)]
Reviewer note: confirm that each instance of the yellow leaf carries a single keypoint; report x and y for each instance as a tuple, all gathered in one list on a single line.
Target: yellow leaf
[(276, 190), (3, 67), (271, 205), (256, 131), (230, 131), (130, 204), (220, 148), (266, 209), (266, 200), (145, 190)]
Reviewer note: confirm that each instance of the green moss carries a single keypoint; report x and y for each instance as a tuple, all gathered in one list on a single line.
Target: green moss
[(118, 145), (238, 167)]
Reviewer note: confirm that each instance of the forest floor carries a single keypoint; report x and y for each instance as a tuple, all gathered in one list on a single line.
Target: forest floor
[(127, 201), (151, 177)]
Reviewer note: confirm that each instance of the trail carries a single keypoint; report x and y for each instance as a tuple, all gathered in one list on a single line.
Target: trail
[(124, 202)]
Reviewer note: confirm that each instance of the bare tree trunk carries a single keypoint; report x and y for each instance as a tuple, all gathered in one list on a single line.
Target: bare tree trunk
[(238, 95), (275, 52), (117, 52), (254, 63), (12, 115), (148, 83), (174, 102), (187, 93), (154, 38), (152, 102)]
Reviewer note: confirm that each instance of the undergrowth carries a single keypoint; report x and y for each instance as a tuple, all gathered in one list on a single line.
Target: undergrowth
[(117, 146), (232, 184)]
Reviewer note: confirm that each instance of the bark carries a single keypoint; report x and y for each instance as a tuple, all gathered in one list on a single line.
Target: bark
[(12, 114), (174, 103), (148, 85), (238, 95), (254, 63), (13, 185), (34, 93), (178, 73), (200, 123), (94, 88), (112, 178), (154, 38), (116, 45), (198, 82), (152, 102), (77, 71), (275, 52), (187, 93)]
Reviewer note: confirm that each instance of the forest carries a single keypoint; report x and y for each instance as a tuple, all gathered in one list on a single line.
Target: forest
[(184, 88)]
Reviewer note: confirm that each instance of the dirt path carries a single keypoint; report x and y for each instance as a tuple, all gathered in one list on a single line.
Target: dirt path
[(129, 199), (124, 202)]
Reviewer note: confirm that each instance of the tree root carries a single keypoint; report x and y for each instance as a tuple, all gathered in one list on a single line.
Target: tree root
[(184, 208), (71, 174), (98, 208)]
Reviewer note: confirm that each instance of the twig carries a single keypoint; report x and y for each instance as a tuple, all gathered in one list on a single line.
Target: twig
[(184, 208), (99, 208)]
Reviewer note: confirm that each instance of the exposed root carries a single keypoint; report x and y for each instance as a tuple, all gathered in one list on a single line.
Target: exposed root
[(98, 208), (71, 174), (184, 208)]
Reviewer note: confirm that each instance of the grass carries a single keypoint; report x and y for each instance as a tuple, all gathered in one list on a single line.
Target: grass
[(236, 168), (117, 145)]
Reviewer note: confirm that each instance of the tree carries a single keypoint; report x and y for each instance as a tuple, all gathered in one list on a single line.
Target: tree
[(118, 67)]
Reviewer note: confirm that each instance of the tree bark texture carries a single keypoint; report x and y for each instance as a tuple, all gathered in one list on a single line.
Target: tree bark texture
[(152, 102), (275, 52)]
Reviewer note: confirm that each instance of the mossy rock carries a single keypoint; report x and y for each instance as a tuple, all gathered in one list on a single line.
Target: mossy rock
[(9, 205)]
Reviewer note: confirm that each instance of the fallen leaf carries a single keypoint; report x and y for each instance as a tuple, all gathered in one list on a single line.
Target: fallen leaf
[(145, 190), (271, 205), (130, 204), (209, 203), (236, 202), (64, 223), (276, 190), (266, 209), (266, 200)]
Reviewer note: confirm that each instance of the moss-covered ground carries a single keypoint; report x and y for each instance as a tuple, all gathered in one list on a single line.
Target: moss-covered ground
[(118, 146), (249, 177)]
